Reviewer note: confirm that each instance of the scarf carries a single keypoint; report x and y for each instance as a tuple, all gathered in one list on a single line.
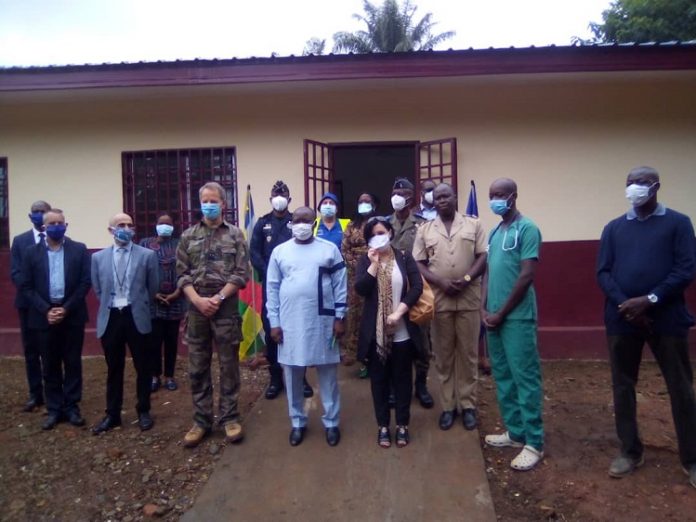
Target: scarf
[(385, 305)]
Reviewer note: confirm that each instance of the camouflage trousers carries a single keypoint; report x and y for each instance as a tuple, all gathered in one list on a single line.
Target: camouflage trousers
[(223, 330)]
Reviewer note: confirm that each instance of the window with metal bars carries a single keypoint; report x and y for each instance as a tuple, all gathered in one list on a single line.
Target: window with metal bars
[(159, 181), (4, 206)]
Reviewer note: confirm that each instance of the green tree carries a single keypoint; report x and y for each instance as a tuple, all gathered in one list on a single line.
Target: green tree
[(314, 46), (390, 28), (646, 21)]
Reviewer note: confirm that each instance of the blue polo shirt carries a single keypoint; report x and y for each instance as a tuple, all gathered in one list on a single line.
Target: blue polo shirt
[(335, 234)]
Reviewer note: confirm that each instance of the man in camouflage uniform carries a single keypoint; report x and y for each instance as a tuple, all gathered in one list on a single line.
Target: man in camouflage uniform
[(212, 263), (406, 223)]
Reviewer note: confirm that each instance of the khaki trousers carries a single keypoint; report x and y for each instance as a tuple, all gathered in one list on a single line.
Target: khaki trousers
[(455, 345)]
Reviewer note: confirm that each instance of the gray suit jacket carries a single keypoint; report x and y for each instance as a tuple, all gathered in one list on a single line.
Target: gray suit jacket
[(144, 284)]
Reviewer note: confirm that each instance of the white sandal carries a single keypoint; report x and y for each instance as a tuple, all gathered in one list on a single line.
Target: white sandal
[(527, 459)]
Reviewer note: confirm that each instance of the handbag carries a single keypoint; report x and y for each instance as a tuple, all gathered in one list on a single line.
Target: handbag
[(423, 311)]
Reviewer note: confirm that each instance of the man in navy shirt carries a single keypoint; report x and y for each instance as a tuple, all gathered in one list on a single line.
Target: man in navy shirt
[(647, 259)]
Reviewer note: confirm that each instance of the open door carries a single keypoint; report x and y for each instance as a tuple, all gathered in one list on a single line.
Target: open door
[(436, 160), (318, 171)]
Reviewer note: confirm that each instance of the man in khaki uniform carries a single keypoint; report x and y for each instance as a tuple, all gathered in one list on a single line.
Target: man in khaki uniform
[(212, 263), (451, 251)]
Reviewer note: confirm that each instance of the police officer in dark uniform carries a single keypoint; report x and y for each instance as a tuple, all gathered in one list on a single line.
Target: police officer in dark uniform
[(271, 230)]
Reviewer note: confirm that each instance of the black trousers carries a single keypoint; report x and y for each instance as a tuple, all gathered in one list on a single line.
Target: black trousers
[(61, 351), (120, 331), (396, 371), (164, 337), (32, 358), (672, 356)]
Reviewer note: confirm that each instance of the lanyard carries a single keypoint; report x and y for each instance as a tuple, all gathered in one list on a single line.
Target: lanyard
[(121, 281)]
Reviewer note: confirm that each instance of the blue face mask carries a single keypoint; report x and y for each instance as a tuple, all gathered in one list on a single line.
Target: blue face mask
[(56, 232), (211, 210), (164, 230), (36, 218), (124, 235), (499, 206)]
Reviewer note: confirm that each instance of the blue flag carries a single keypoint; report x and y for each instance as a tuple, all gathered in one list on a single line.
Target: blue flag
[(472, 204)]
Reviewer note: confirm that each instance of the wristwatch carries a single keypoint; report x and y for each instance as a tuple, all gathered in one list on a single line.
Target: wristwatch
[(221, 296), (467, 278), (653, 298)]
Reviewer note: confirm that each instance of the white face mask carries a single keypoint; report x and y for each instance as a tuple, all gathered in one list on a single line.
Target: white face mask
[(302, 231), (328, 210), (279, 203), (638, 194), (398, 202), (364, 208), (428, 197), (379, 241)]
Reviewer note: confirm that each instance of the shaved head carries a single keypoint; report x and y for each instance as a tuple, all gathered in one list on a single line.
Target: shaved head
[(644, 173), (40, 206), (506, 185), (303, 215)]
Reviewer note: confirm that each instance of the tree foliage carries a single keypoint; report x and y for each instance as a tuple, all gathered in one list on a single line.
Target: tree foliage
[(390, 28), (314, 46), (647, 21)]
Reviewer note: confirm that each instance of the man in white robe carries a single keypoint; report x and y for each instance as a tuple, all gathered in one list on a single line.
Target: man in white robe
[(306, 304)]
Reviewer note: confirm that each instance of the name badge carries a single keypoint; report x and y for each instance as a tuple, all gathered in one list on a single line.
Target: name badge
[(120, 302)]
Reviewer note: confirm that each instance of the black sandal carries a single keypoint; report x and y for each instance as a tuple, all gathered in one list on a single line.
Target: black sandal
[(402, 438), (384, 437)]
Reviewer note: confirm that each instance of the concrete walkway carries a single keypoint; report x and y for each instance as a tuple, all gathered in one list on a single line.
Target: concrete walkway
[(439, 476)]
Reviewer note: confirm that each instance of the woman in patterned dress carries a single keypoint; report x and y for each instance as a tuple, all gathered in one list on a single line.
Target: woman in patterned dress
[(353, 248)]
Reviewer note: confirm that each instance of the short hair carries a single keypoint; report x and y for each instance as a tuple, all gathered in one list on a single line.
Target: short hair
[(372, 223), (53, 211), (40, 204), (213, 185), (640, 171)]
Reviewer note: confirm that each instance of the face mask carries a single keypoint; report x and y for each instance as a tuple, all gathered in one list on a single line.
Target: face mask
[(279, 203), (398, 202), (364, 208), (379, 241), (211, 210), (428, 197), (302, 231), (36, 218), (164, 230), (123, 235), (56, 232), (499, 206), (328, 210), (638, 194)]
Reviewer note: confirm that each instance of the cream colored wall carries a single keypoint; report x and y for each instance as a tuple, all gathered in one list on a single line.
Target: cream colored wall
[(568, 140)]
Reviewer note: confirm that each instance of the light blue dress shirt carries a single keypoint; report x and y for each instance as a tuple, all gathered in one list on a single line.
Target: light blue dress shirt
[(56, 274)]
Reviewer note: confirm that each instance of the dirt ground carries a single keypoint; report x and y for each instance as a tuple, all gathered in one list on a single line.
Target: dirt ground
[(68, 474)]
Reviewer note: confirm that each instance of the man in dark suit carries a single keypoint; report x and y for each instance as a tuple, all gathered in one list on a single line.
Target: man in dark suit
[(125, 280), (32, 356), (55, 281)]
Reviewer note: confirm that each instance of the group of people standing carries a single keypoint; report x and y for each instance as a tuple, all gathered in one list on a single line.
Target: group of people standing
[(337, 290)]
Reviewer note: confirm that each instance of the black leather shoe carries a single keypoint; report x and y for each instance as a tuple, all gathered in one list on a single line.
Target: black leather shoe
[(76, 419), (447, 419), (145, 421), (423, 396), (273, 391), (469, 419), (297, 436), (32, 404), (333, 436), (106, 424), (307, 390), (50, 422)]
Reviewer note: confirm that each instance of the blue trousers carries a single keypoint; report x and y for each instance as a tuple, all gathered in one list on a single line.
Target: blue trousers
[(328, 390)]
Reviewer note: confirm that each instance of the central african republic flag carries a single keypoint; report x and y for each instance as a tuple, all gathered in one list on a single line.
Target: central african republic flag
[(250, 298)]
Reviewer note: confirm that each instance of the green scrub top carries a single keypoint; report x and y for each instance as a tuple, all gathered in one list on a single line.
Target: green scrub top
[(507, 248)]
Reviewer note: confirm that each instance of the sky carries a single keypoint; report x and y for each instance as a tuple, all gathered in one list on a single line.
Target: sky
[(60, 32)]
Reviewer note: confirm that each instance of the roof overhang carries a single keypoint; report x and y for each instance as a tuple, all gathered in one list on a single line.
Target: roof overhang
[(479, 62)]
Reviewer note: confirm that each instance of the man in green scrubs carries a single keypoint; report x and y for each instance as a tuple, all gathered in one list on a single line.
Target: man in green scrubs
[(510, 315)]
